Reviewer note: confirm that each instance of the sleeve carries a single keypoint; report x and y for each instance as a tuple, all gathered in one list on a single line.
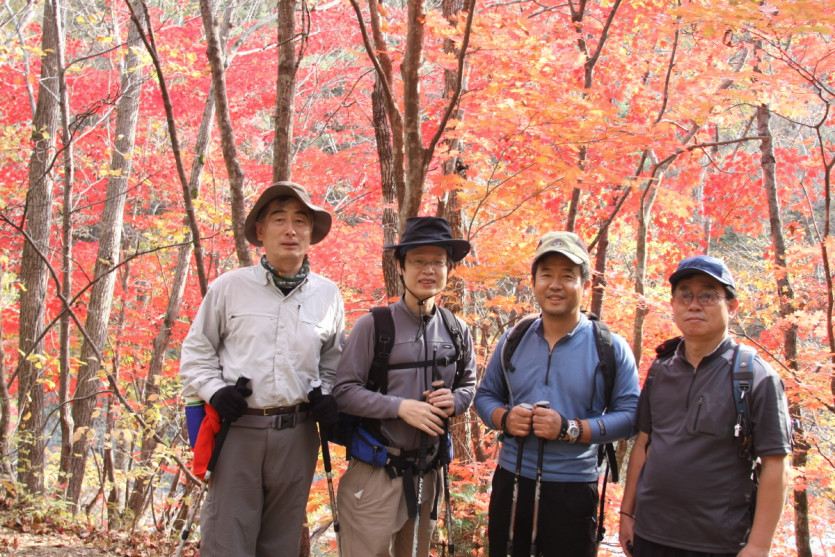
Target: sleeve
[(770, 414), (332, 350), (619, 420), (352, 373), (465, 391), (491, 393), (199, 359), (643, 419)]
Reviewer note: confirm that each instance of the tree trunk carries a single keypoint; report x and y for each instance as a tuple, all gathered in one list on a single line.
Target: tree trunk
[(598, 281), (64, 357), (110, 241), (285, 110), (786, 296), (33, 271), (641, 310), (217, 61), (382, 133), (5, 420)]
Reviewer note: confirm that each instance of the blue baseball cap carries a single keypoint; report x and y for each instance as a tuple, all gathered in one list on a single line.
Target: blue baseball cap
[(707, 265)]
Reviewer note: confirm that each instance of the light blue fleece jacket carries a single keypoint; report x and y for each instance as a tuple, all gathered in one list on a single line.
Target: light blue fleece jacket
[(568, 378)]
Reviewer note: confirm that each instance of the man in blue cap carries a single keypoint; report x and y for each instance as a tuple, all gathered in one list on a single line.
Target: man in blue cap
[(690, 492)]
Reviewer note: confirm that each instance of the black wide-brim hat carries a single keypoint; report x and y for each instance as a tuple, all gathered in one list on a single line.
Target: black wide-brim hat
[(321, 218), (431, 231)]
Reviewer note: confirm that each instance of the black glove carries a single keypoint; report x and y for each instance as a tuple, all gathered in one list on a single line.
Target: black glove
[(323, 409), (229, 403)]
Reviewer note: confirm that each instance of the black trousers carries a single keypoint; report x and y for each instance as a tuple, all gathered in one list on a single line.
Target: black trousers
[(567, 517), (646, 548)]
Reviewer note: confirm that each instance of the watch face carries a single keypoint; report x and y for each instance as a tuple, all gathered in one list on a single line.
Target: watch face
[(573, 430)]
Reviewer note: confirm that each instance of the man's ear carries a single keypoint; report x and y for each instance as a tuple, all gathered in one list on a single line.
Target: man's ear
[(733, 304)]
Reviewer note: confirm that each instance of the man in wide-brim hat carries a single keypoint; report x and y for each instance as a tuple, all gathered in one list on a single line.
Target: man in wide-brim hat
[(281, 326), (378, 501)]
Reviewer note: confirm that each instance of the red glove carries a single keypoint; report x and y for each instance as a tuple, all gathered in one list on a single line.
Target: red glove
[(205, 442)]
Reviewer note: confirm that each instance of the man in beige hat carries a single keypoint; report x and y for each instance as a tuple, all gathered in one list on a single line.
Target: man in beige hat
[(280, 326)]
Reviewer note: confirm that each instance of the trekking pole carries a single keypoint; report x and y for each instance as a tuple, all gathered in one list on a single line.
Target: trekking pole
[(421, 465), (538, 489), (445, 458), (316, 387), (424, 441), (241, 387), (512, 528)]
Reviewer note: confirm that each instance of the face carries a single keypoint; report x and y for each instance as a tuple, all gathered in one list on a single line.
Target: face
[(284, 228), (558, 286), (706, 315), (425, 271)]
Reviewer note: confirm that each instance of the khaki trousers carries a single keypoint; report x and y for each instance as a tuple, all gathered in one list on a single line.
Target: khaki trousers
[(258, 492), (373, 518)]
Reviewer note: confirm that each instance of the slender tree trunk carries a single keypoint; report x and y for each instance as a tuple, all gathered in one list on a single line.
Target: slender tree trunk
[(577, 15), (598, 281), (285, 110), (786, 295), (66, 261), (101, 295), (5, 420), (217, 61), (644, 215), (33, 272), (382, 132)]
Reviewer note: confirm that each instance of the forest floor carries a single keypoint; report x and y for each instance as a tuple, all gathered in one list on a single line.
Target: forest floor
[(23, 539)]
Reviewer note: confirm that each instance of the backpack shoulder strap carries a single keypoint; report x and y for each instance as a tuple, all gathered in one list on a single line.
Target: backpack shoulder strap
[(662, 353), (743, 379), (383, 343), (451, 324), (511, 343), (605, 354), (514, 337)]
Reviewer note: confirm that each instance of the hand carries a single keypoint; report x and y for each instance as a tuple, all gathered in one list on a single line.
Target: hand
[(626, 536), (229, 403), (518, 421), (546, 423), (443, 399), (323, 408), (422, 416)]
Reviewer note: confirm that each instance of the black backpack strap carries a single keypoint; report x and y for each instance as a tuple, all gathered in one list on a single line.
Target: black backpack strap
[(663, 352), (606, 355), (743, 381), (383, 343), (451, 324), (511, 342)]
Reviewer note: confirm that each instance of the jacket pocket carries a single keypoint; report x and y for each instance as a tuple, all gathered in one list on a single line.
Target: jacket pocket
[(705, 417)]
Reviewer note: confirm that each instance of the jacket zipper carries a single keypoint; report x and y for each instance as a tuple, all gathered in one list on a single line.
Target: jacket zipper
[(698, 412)]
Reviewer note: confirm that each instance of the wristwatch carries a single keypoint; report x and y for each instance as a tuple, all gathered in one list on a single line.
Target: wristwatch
[(573, 431)]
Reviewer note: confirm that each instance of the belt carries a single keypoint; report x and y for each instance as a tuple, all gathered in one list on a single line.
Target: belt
[(277, 410)]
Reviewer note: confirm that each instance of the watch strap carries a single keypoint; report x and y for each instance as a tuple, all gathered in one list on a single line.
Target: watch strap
[(563, 428)]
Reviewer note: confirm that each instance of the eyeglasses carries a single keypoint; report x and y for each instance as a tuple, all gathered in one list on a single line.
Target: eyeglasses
[(421, 264), (705, 297)]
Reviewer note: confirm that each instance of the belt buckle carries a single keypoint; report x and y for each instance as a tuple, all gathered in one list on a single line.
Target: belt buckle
[(284, 421), (266, 411)]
